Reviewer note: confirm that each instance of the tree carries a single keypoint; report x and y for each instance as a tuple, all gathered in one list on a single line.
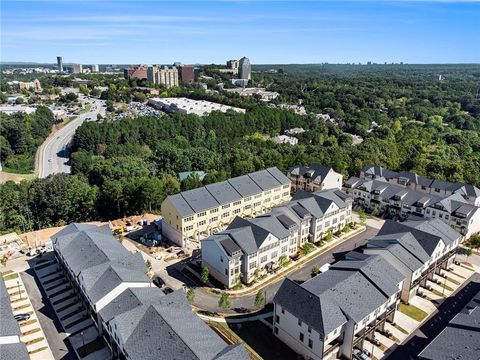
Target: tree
[(362, 216), (283, 261), (315, 270), (329, 235), (375, 210), (224, 301), (3, 260), (474, 241), (468, 252), (191, 295), (260, 299), (205, 275)]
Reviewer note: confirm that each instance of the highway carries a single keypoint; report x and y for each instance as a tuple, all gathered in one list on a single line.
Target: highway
[(52, 155)]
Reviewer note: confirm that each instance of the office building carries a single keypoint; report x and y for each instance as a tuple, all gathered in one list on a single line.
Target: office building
[(336, 312), (134, 317), (136, 72), (460, 339), (250, 248), (189, 106), (244, 69), (95, 68), (77, 68), (60, 63), (233, 65), (192, 214), (314, 178), (187, 74), (392, 199), (166, 76)]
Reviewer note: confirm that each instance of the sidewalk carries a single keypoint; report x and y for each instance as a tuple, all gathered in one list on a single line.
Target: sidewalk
[(233, 320)]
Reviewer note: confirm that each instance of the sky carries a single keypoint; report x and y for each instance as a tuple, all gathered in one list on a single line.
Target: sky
[(268, 32)]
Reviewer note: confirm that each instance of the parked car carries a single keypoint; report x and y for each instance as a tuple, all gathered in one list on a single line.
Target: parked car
[(22, 317), (158, 281), (360, 355)]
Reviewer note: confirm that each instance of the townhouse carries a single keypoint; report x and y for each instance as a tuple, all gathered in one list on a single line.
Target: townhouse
[(453, 209), (336, 311), (460, 339), (417, 249), (314, 178), (10, 345), (249, 248), (189, 215), (413, 181), (136, 319)]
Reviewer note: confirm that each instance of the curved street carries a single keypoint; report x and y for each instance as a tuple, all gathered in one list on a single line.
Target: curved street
[(52, 155)]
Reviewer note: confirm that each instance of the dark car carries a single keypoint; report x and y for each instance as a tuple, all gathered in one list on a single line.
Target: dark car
[(167, 290), (22, 317), (158, 281)]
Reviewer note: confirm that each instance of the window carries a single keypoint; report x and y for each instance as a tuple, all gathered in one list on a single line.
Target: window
[(190, 218), (221, 258), (224, 215), (274, 255), (299, 322), (201, 223), (226, 206), (257, 204), (301, 337), (236, 203), (213, 211), (247, 207), (236, 211), (310, 343), (247, 198), (188, 228), (252, 265), (263, 259), (202, 214), (213, 219)]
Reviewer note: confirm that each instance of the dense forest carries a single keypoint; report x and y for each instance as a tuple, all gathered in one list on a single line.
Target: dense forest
[(408, 119), (20, 136)]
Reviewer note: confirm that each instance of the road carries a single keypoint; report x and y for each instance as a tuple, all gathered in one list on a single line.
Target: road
[(52, 155), (208, 301), (437, 321)]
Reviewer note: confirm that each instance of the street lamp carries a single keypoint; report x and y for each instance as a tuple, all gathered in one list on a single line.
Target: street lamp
[(19, 292), (444, 284)]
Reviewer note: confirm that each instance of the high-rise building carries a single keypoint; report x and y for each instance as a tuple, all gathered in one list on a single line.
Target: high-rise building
[(136, 72), (244, 69), (232, 65), (166, 76), (187, 74), (77, 68), (60, 63), (95, 68)]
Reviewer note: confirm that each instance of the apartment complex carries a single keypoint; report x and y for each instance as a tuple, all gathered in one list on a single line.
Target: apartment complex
[(20, 85), (249, 248), (77, 68), (136, 319), (413, 181), (10, 345), (189, 106), (335, 312), (460, 339), (163, 75), (203, 211), (187, 74), (233, 65), (314, 178), (397, 200), (136, 72), (417, 249), (263, 93)]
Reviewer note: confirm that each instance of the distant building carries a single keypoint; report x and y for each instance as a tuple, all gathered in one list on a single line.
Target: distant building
[(77, 68), (189, 106), (95, 68), (60, 63), (240, 82), (12, 109), (166, 76), (187, 74), (147, 90), (245, 69), (285, 139), (294, 131), (233, 65), (314, 177), (264, 94), (185, 174), (19, 85), (136, 72)]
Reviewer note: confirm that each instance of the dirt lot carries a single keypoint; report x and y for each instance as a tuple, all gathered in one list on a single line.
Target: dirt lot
[(4, 177)]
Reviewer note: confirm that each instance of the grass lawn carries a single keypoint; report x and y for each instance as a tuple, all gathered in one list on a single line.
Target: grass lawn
[(413, 311), (438, 293), (87, 108), (401, 329), (453, 281)]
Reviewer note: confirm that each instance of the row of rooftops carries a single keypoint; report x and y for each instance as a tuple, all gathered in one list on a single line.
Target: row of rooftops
[(217, 194), (454, 204), (9, 327), (151, 325), (460, 339), (360, 284), (377, 171), (313, 171), (247, 236)]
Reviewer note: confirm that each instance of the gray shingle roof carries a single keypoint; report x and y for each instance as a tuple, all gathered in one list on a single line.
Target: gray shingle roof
[(17, 351), (214, 195), (168, 330), (316, 171)]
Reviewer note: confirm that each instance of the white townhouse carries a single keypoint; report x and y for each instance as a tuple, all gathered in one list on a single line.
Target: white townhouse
[(314, 178), (417, 249), (336, 311)]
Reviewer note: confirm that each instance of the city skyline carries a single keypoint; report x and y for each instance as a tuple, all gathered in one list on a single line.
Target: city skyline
[(267, 32)]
